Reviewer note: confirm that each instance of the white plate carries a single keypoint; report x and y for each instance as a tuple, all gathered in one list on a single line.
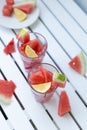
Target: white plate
[(12, 22)]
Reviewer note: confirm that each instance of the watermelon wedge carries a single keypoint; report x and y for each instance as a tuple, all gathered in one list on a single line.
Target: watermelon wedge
[(36, 78), (10, 2), (6, 91), (64, 105), (28, 8), (10, 48), (78, 63), (25, 6), (47, 74), (7, 10), (36, 45)]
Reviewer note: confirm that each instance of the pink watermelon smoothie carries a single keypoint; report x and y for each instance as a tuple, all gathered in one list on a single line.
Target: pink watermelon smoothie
[(39, 44), (41, 74)]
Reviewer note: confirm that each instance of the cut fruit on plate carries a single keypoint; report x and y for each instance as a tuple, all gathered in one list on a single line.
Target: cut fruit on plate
[(30, 52), (78, 63), (64, 105), (20, 15), (60, 78), (26, 6), (44, 87), (13, 23)]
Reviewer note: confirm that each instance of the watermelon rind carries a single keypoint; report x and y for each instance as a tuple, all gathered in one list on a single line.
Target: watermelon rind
[(25, 2), (83, 63), (5, 100)]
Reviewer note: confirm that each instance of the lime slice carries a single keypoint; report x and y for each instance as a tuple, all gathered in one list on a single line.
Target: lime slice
[(30, 52), (44, 87), (59, 77), (19, 14)]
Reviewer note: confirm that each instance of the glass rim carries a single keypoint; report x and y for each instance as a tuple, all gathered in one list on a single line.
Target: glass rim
[(45, 93), (38, 55)]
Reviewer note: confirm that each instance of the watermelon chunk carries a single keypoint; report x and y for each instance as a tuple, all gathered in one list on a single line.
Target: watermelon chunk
[(10, 48), (78, 63), (36, 45), (47, 74), (64, 105), (6, 90), (10, 2), (36, 78), (28, 8), (7, 10), (53, 87)]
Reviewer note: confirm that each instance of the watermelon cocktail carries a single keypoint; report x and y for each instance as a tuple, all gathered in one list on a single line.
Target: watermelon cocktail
[(41, 81), (32, 48)]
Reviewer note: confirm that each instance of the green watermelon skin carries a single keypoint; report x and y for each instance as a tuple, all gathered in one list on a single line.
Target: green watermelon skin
[(78, 63), (64, 105)]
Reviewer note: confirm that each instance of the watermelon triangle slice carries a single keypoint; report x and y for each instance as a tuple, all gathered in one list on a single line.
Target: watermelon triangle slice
[(10, 48), (64, 105), (78, 63), (6, 90), (28, 8)]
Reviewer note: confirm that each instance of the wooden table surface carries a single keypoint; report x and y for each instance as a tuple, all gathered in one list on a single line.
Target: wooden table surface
[(64, 24)]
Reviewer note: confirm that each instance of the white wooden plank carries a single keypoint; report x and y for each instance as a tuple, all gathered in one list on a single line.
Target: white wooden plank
[(14, 112), (71, 26), (3, 123), (64, 122), (76, 12), (57, 30), (34, 109)]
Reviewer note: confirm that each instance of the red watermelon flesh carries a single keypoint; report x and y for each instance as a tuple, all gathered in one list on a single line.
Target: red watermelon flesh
[(10, 48), (36, 78), (7, 88), (7, 10), (64, 105), (47, 74), (36, 45), (54, 86), (10, 2), (43, 76), (24, 39), (78, 63), (27, 8)]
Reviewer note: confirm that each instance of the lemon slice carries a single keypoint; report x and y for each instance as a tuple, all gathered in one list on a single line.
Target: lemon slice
[(44, 87), (19, 14), (30, 52), (23, 32)]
